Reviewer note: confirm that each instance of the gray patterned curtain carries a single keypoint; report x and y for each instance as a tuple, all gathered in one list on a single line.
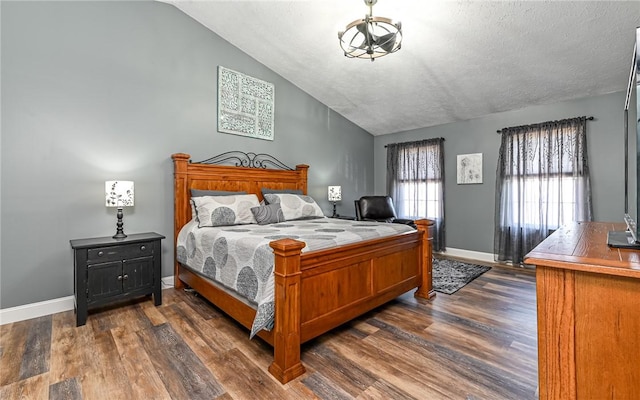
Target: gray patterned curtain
[(542, 182), (415, 181)]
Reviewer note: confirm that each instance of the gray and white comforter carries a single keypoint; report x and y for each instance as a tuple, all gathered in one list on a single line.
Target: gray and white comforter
[(239, 256)]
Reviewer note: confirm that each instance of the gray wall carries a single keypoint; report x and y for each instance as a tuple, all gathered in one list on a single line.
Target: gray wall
[(94, 91), (469, 209)]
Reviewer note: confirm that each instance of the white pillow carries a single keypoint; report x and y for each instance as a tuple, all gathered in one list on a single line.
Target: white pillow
[(225, 210), (204, 192), (295, 206)]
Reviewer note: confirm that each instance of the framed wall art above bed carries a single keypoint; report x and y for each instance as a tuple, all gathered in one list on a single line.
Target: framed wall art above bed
[(246, 105), (316, 285)]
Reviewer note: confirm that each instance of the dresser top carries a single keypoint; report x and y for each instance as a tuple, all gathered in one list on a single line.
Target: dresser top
[(582, 246), (109, 241)]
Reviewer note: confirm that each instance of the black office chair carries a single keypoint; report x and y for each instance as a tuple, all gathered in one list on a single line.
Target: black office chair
[(380, 209)]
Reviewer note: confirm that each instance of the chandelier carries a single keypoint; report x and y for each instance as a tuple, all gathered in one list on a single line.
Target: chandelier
[(371, 37)]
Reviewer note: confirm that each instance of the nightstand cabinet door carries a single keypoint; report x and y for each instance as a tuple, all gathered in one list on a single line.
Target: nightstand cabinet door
[(137, 274), (104, 280)]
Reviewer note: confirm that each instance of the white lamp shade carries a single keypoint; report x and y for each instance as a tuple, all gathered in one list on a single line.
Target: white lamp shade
[(335, 193), (118, 193)]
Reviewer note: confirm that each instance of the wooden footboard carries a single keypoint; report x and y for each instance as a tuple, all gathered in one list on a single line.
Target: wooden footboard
[(318, 291), (314, 291)]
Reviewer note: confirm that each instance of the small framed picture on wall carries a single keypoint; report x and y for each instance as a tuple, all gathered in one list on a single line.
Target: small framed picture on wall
[(469, 169)]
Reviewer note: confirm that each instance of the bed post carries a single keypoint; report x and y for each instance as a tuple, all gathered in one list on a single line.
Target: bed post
[(181, 199), (425, 290), (286, 336), (302, 172)]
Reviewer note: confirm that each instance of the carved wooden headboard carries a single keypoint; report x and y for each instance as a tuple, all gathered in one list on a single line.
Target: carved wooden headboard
[(249, 174)]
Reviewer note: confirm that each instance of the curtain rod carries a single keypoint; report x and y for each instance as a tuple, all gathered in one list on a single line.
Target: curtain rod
[(385, 146), (588, 119)]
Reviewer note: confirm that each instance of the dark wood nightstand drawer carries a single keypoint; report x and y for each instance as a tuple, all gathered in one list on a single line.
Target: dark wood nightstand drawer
[(112, 253)]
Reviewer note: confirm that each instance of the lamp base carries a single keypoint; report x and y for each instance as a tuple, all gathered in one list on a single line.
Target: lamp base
[(119, 231), (119, 235), (335, 215)]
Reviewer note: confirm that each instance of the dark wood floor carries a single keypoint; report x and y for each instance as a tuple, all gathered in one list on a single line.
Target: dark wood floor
[(479, 343)]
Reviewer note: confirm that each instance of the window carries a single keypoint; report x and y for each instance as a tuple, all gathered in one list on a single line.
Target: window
[(419, 200), (415, 182), (542, 184), (554, 199)]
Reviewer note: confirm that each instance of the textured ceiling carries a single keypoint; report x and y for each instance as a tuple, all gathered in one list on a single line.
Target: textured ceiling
[(458, 61)]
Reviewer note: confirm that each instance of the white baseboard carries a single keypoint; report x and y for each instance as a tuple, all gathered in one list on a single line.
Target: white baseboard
[(472, 255), (35, 310), (167, 282)]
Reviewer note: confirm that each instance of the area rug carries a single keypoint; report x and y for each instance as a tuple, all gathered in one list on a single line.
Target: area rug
[(449, 276)]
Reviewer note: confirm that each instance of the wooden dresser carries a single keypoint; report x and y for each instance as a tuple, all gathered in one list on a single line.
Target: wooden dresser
[(588, 315)]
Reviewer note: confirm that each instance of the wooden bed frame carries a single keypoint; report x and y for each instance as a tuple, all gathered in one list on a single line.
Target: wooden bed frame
[(315, 291)]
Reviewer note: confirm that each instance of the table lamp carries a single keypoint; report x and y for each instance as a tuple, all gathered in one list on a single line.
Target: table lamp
[(119, 194), (335, 195)]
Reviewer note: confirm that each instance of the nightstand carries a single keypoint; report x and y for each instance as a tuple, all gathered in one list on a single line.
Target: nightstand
[(107, 270)]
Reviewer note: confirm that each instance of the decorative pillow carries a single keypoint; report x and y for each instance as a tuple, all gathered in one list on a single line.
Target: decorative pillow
[(276, 191), (200, 193), (225, 210), (268, 214), (295, 206)]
